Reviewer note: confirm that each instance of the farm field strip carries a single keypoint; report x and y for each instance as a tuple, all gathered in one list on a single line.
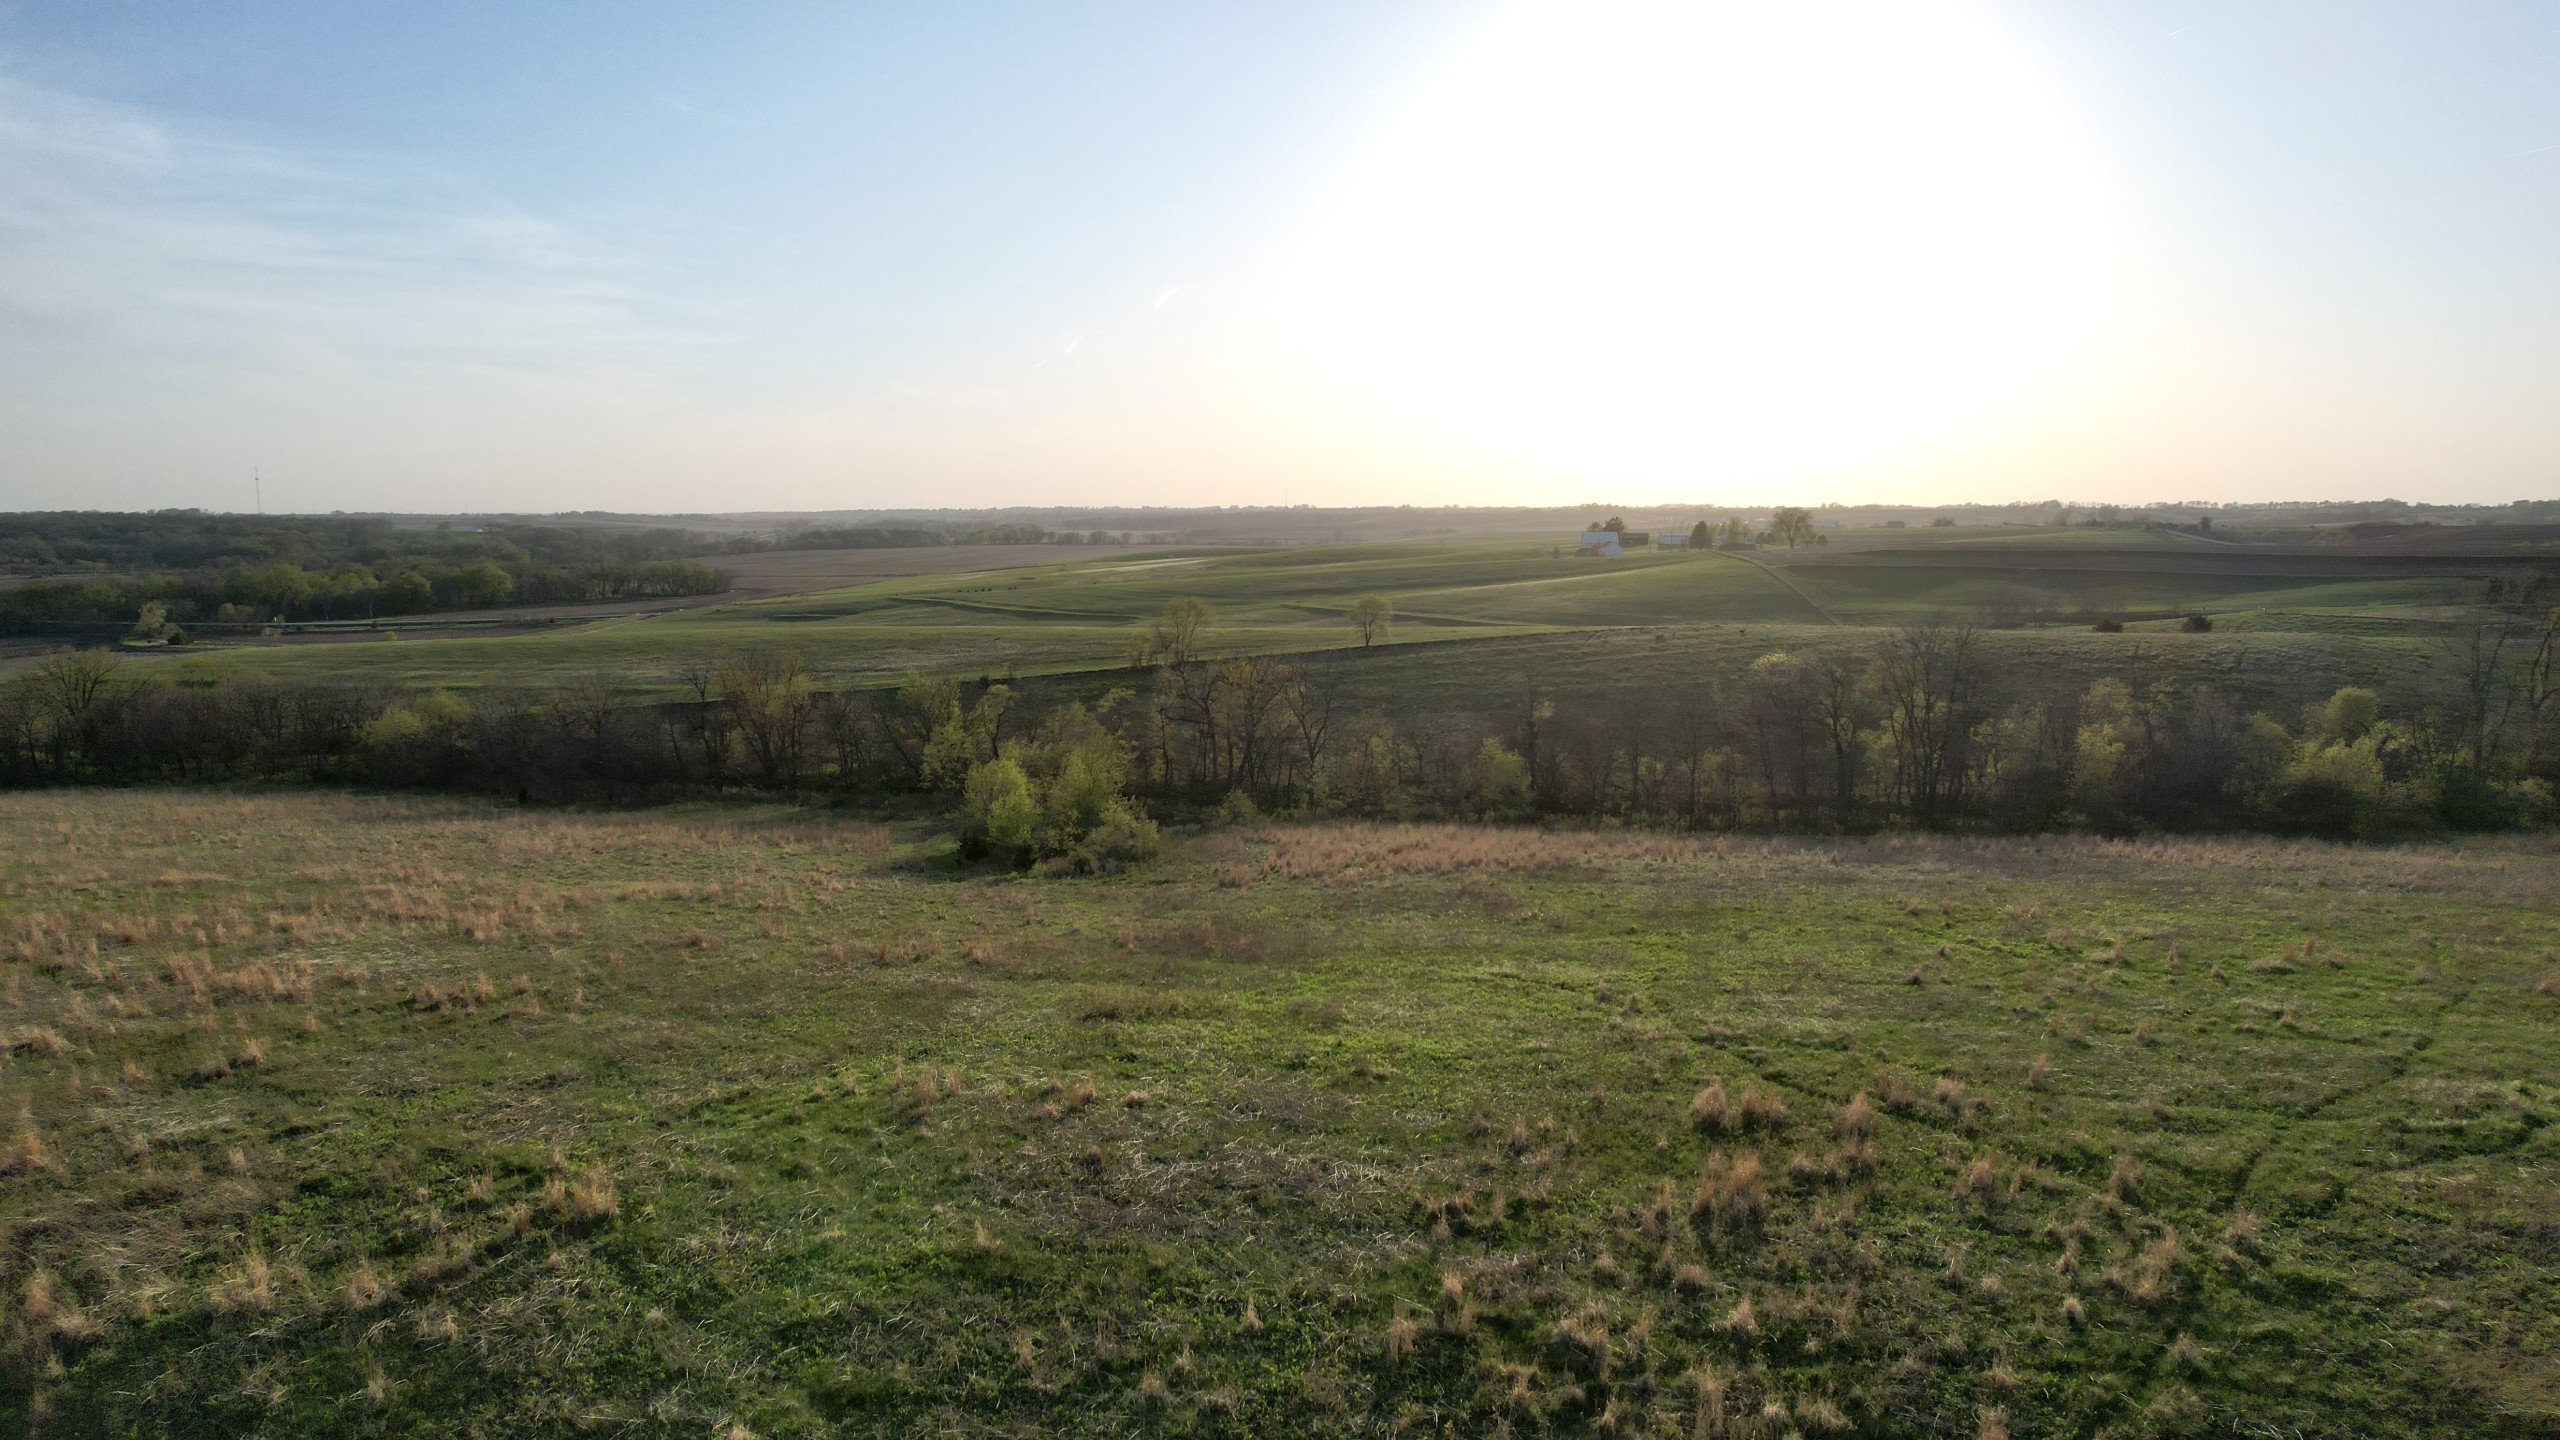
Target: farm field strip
[(1067, 617)]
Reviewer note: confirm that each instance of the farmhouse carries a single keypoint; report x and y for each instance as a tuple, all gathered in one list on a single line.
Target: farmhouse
[(1614, 542)]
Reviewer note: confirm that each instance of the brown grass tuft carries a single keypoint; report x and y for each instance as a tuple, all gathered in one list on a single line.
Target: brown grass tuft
[(1585, 1335), (1898, 1096), (27, 1153), (1821, 1416), (1709, 1109), (1762, 1107), (1960, 1105), (1711, 1421), (1981, 1179), (38, 1040), (2240, 1236), (2150, 1277), (592, 1196), (250, 1287), (1402, 1332), (1730, 1191), (39, 1304), (2123, 1180), (1857, 1118)]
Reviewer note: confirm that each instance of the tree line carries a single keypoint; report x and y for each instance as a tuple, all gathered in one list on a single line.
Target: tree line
[(160, 607), (1918, 729), (167, 570)]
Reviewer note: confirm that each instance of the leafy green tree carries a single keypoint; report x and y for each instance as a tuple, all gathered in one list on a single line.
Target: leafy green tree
[(481, 585), (964, 738), (1793, 525), (276, 588), (2348, 715), (1497, 782), (1369, 615), (999, 813), (405, 593)]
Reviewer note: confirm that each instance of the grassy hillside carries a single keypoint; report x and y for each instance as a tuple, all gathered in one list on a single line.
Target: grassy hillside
[(1076, 616), (349, 1115), (1494, 619), (1890, 594)]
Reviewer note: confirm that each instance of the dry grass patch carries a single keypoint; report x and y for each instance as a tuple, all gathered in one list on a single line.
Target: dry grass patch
[(1369, 851)]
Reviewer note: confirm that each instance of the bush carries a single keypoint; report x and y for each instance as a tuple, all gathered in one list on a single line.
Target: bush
[(1497, 782), (1121, 842), (2196, 624), (2108, 625), (998, 811)]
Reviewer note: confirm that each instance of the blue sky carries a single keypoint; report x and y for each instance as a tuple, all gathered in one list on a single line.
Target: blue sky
[(662, 257)]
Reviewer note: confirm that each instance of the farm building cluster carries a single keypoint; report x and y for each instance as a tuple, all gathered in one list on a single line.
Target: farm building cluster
[(1606, 542)]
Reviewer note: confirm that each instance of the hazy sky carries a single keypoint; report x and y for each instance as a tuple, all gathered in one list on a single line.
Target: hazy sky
[(703, 257)]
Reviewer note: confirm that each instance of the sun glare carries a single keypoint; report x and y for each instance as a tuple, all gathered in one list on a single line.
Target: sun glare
[(1701, 243)]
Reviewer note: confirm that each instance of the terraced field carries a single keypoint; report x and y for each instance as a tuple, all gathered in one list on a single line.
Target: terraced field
[(1475, 613)]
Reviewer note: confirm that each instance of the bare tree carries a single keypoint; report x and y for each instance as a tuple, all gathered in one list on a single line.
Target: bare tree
[(1928, 679), (1313, 706), (772, 701), (2486, 692), (1176, 636), (1838, 694)]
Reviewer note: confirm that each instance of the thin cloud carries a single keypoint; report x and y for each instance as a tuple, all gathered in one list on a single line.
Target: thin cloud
[(124, 236)]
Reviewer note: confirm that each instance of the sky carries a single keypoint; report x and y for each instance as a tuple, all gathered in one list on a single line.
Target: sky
[(668, 257)]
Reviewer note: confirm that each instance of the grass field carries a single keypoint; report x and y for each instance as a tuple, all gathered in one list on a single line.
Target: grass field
[(1477, 608), (352, 1115)]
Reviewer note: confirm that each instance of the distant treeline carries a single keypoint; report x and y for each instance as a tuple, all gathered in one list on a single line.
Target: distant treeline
[(199, 568), (1921, 730)]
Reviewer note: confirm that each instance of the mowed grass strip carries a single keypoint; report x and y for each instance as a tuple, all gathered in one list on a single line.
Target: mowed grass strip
[(336, 1113)]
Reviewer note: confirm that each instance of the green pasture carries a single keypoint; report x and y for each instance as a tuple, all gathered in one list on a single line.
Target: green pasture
[(1476, 623), (1886, 593), (358, 1116)]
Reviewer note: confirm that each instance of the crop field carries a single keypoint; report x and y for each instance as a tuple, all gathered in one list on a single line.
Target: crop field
[(1468, 610), (348, 1115)]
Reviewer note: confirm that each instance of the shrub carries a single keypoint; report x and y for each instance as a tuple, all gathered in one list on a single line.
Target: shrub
[(1497, 782), (2196, 624), (1122, 841), (998, 812)]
